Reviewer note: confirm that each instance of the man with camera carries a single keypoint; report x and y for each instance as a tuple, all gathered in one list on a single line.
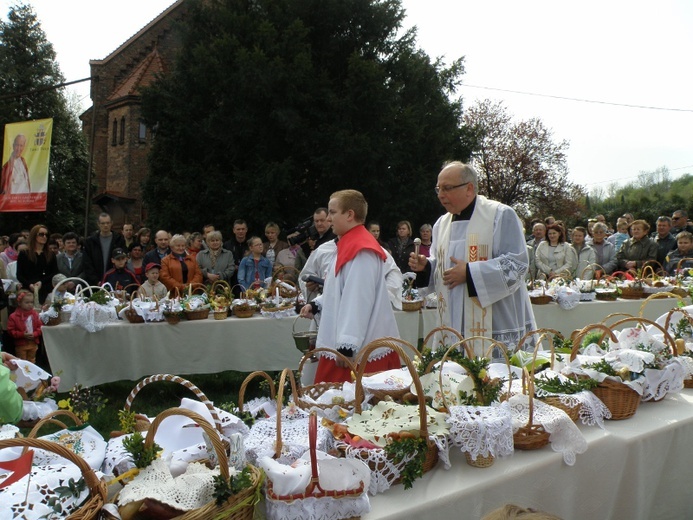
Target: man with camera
[(319, 233)]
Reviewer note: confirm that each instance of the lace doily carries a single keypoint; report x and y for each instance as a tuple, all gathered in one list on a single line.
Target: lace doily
[(28, 376), (49, 495), (278, 314), (336, 413), (565, 436), (261, 440), (324, 508), (34, 410), (8, 431), (658, 383), (91, 316), (191, 490), (592, 410), (482, 430)]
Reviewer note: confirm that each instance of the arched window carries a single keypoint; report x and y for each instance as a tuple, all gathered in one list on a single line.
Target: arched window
[(122, 130), (142, 132), (114, 136)]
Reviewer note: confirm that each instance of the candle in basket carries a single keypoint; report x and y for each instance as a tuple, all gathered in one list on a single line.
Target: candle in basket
[(680, 346), (276, 295)]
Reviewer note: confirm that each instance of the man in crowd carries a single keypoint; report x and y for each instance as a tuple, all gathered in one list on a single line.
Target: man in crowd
[(679, 221), (128, 234), (538, 235), (71, 261), (324, 229), (98, 249), (238, 245), (355, 307), (666, 242), (478, 262), (161, 250), (206, 230)]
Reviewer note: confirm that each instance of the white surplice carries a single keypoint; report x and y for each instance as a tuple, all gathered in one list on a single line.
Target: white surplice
[(499, 281)]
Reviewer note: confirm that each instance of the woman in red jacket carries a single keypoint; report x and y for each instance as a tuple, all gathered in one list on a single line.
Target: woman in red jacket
[(179, 269)]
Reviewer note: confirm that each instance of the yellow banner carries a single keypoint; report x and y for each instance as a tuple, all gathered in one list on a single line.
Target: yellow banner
[(25, 163)]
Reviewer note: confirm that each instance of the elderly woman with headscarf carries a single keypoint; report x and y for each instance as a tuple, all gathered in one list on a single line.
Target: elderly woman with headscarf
[(216, 263), (179, 269)]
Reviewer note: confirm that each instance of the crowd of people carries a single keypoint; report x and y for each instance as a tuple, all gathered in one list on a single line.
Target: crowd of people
[(584, 252)]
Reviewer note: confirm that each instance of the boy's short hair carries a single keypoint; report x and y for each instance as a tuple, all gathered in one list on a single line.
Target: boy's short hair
[(70, 235), (684, 234), (352, 200), (58, 279)]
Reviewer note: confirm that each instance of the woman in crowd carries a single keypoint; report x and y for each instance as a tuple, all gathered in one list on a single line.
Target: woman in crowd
[(425, 232), (136, 261), (638, 250), (10, 254), (144, 237), (194, 244), (586, 257), (254, 268), (273, 246), (179, 269), (604, 251), (554, 256), (37, 265), (373, 228), (215, 262), (402, 245)]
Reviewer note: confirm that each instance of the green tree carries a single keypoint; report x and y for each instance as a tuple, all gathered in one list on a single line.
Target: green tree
[(519, 163), (274, 104), (28, 73)]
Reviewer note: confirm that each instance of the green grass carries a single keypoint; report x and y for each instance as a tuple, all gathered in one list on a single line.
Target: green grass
[(161, 395)]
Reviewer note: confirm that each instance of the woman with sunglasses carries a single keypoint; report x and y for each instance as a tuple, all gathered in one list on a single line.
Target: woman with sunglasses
[(37, 265)]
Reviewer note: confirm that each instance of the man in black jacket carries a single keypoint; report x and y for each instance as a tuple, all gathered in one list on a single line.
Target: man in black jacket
[(98, 250)]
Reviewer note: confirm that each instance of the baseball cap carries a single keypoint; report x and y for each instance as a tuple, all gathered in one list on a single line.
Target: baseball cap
[(152, 265), (119, 252)]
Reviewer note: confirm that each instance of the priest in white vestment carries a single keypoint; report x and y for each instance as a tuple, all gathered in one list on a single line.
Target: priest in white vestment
[(478, 262), (355, 306)]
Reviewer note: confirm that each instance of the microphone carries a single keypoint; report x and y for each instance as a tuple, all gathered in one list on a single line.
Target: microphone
[(417, 245)]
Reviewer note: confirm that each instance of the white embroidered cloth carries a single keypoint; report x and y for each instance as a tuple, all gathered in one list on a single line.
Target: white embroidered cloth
[(93, 317), (565, 437)]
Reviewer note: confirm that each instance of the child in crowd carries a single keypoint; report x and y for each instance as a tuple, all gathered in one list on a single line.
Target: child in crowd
[(152, 286), (24, 326), (59, 291), (119, 277), (684, 251), (254, 268)]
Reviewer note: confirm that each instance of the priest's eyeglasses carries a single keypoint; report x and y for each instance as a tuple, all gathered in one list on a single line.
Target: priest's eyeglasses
[(446, 189)]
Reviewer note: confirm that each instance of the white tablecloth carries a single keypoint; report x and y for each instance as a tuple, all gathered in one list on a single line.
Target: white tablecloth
[(637, 469)]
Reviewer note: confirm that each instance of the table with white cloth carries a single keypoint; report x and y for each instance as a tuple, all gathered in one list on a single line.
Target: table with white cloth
[(127, 351), (553, 316), (636, 469)]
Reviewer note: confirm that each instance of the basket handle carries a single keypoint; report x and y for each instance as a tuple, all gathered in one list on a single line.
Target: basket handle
[(183, 382), (657, 296), (671, 313), (644, 321), (97, 487), (248, 379), (584, 330), (226, 288), (280, 398), (308, 355), (464, 343), (530, 394), (444, 333), (214, 435), (544, 333), (680, 263), (361, 367), (51, 419), (312, 444)]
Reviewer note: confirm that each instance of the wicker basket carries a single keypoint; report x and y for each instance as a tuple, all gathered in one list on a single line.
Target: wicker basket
[(316, 390), (240, 506), (657, 296), (530, 436), (541, 300), (131, 313), (221, 315), (620, 399), (51, 418), (632, 293), (172, 317), (197, 314), (52, 322), (242, 311), (91, 509), (396, 395), (608, 295), (280, 275), (481, 460), (412, 305), (443, 336), (431, 448)]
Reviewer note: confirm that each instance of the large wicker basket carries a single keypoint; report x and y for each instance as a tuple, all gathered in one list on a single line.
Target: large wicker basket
[(316, 390), (90, 509), (240, 506), (412, 305), (620, 399)]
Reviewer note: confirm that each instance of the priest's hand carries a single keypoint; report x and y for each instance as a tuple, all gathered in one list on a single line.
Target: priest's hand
[(457, 274), (417, 263)]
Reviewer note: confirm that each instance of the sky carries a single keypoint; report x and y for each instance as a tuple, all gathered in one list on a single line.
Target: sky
[(613, 53)]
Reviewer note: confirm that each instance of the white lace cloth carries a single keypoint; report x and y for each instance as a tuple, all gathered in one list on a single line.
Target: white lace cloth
[(191, 490), (261, 439), (93, 317), (43, 501), (147, 309), (565, 437), (567, 298), (283, 313), (28, 376), (35, 410), (337, 412), (334, 474), (482, 430)]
